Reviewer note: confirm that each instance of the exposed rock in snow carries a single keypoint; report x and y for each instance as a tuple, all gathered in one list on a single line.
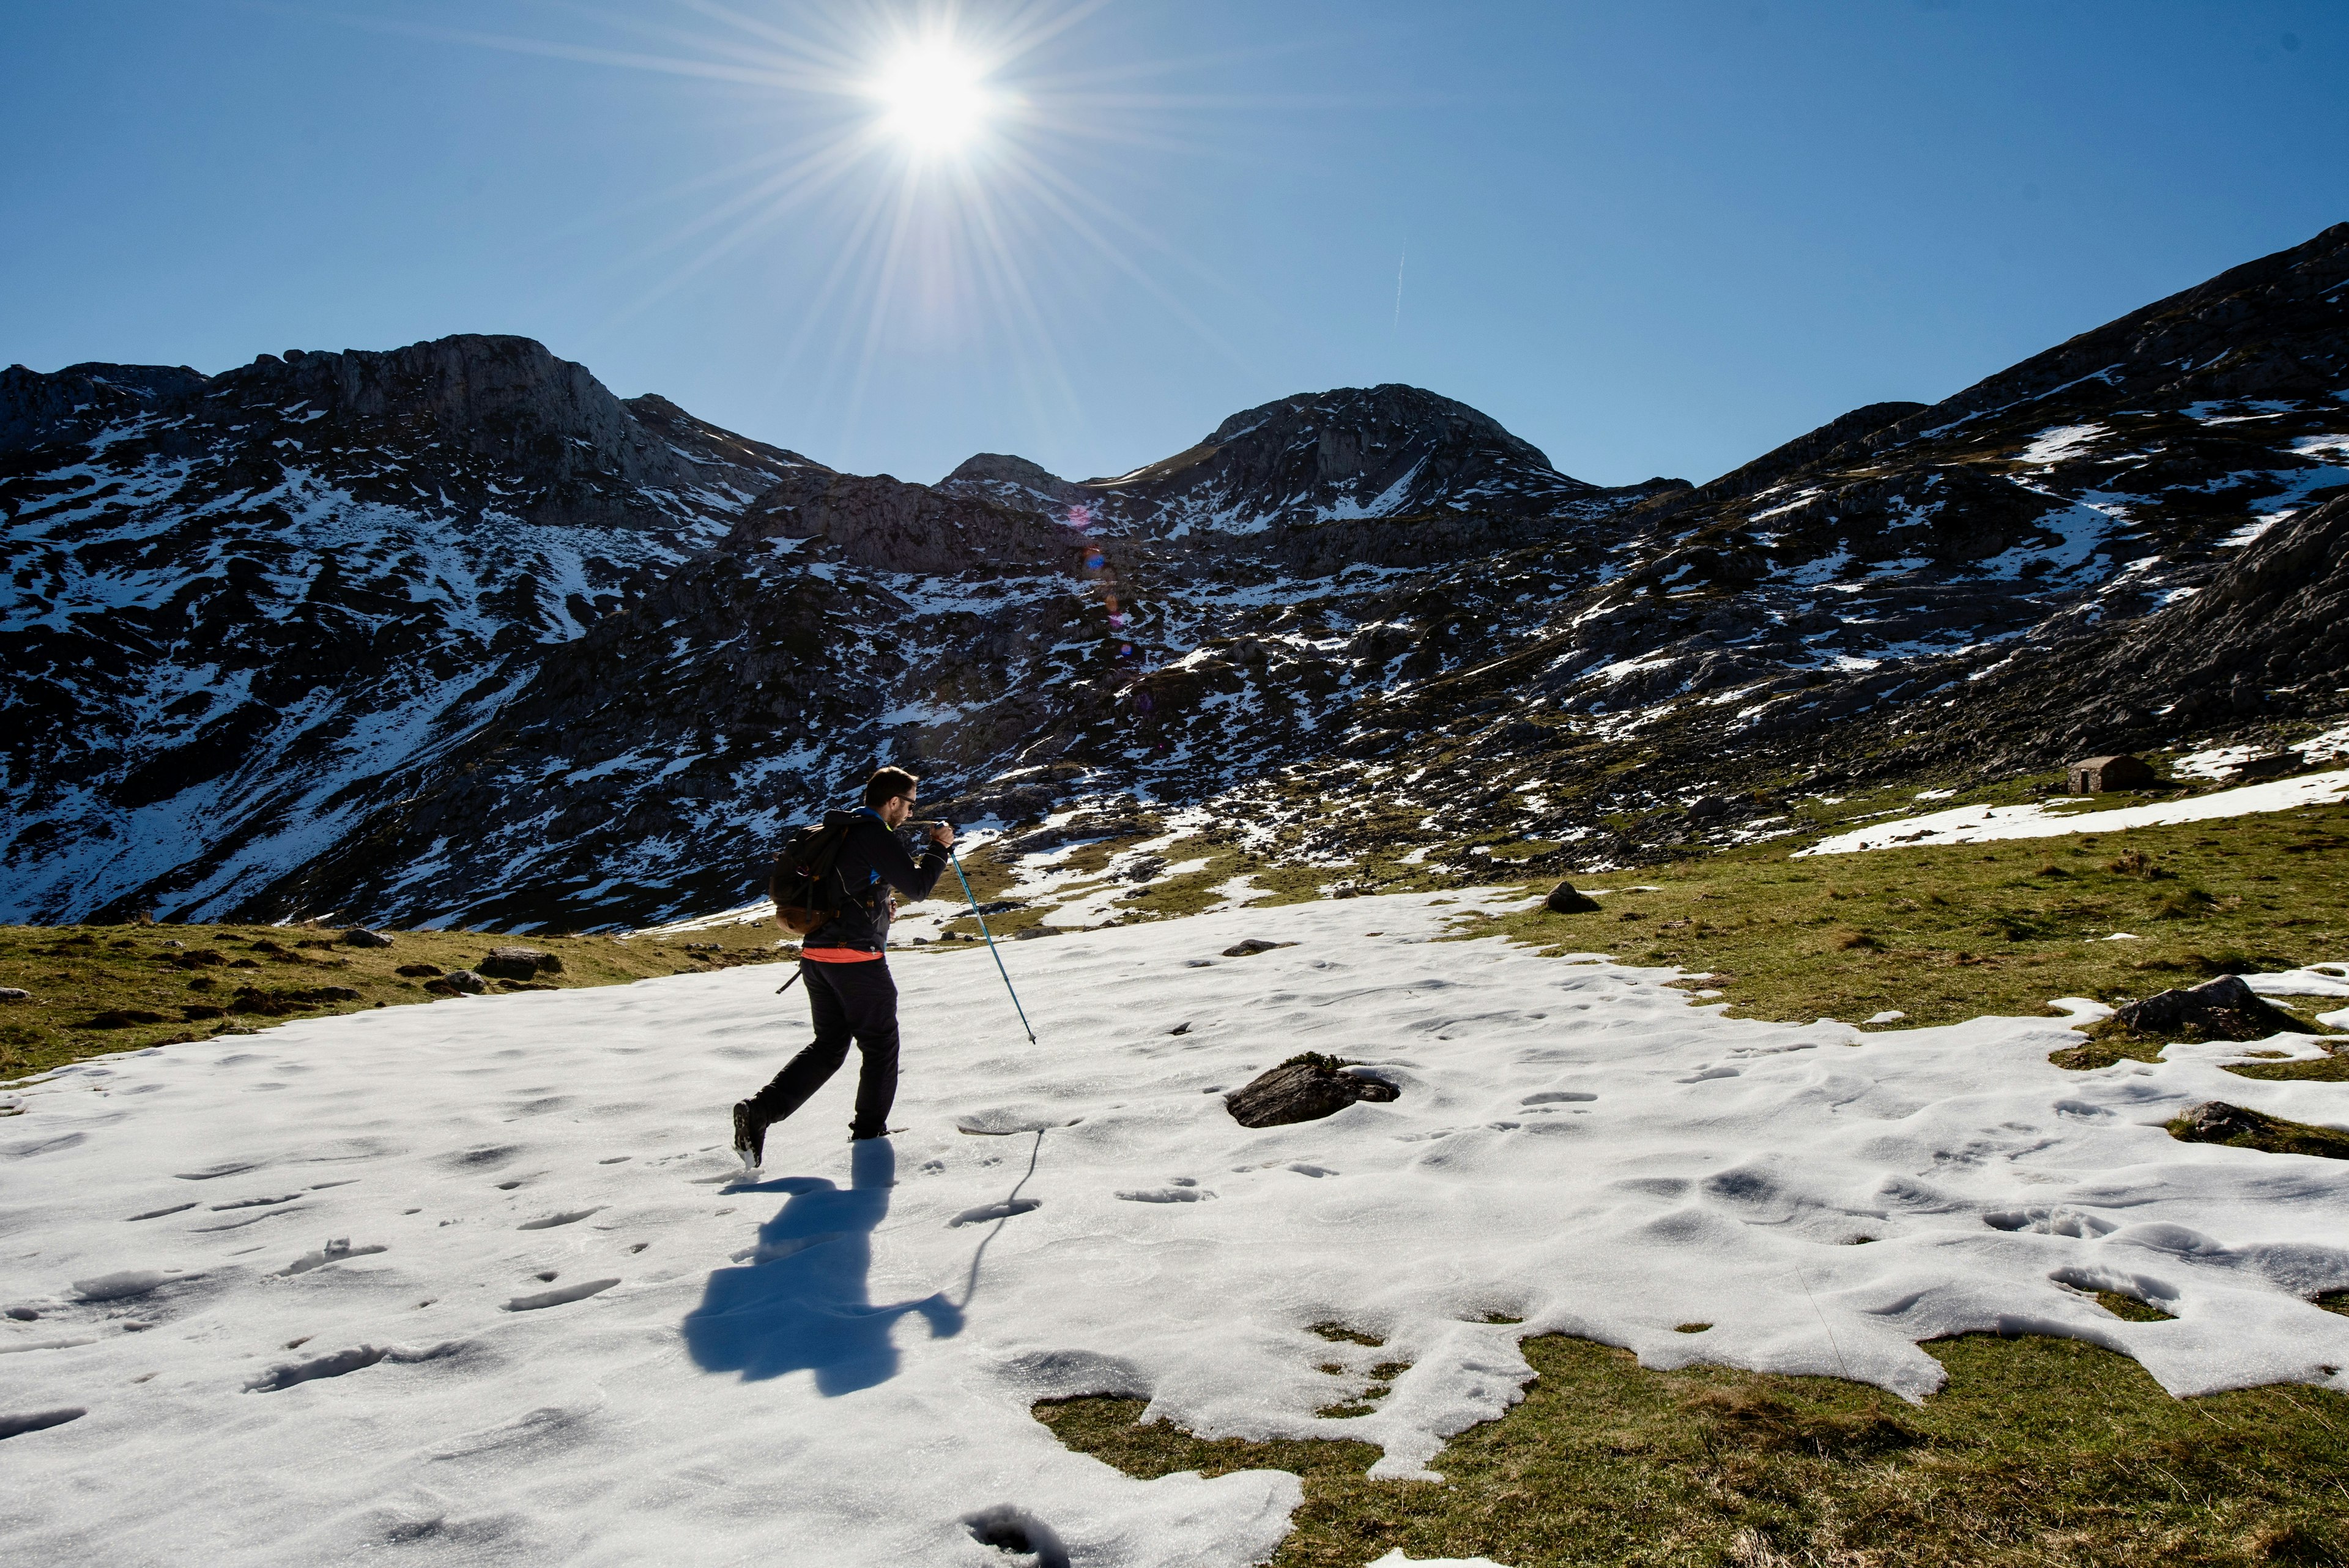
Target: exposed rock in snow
[(2223, 1009), (1303, 1091)]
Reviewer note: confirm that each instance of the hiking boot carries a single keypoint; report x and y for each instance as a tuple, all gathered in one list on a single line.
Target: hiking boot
[(750, 1135)]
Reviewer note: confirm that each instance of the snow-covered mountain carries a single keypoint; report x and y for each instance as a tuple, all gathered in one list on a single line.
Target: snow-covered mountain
[(239, 606), (453, 634)]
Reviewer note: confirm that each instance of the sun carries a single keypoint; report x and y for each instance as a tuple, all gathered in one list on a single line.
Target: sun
[(931, 98)]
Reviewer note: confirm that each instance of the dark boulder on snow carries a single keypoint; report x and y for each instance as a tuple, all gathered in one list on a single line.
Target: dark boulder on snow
[(1252, 947), (519, 963), (2221, 1009), (1564, 900), (1303, 1089)]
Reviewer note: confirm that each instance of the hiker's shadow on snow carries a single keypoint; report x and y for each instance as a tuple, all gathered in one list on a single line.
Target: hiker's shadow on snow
[(800, 1298)]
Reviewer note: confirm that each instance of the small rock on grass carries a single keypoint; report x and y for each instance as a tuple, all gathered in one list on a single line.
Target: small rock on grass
[(11, 993), (360, 937), (2223, 1009), (124, 1018), (458, 983), (521, 964), (1564, 900)]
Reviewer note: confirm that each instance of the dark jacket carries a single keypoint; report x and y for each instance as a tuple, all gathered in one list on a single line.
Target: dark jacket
[(872, 862)]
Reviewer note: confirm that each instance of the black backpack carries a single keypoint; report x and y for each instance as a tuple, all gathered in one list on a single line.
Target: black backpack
[(807, 890)]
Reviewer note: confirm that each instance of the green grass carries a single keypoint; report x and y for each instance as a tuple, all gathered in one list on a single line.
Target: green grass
[(1952, 932), (2039, 1451), (222, 979)]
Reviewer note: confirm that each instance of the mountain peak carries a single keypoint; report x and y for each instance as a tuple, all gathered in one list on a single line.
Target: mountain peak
[(1349, 453), (990, 468)]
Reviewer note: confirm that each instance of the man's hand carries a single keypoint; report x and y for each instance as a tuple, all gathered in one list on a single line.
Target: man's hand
[(943, 836)]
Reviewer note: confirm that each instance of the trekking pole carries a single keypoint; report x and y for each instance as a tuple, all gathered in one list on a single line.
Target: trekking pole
[(991, 943)]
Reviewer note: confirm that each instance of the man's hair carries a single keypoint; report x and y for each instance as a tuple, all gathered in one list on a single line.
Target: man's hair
[(886, 784)]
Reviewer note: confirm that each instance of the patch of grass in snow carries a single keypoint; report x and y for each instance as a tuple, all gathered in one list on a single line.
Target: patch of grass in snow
[(2332, 1069), (100, 988), (2038, 1451), (1947, 933), (2272, 1135), (2132, 1309)]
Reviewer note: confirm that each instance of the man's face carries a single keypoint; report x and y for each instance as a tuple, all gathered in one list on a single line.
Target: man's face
[(897, 809)]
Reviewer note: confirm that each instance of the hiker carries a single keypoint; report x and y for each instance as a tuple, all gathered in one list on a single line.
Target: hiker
[(844, 966)]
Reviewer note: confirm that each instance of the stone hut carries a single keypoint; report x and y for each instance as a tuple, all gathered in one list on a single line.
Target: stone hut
[(2094, 775)]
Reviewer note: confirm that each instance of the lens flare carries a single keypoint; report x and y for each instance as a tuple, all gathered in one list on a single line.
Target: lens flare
[(931, 97)]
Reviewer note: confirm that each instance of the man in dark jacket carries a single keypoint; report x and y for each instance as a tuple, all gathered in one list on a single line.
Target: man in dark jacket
[(845, 969)]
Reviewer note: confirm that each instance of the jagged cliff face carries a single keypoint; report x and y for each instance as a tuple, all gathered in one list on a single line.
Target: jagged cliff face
[(238, 607), (451, 633)]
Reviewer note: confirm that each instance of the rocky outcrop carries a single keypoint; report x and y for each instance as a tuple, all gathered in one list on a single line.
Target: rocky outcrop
[(241, 603), (1303, 1089), (1564, 899), (518, 963), (2221, 1009)]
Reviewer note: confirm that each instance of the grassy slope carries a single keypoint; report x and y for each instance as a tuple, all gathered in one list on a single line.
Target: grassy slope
[(76, 974), (1950, 933), (2038, 1451)]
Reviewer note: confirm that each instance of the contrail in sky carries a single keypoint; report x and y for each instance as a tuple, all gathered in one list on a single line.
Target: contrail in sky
[(1398, 310)]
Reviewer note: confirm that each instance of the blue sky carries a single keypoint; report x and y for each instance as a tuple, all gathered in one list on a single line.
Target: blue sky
[(1649, 238)]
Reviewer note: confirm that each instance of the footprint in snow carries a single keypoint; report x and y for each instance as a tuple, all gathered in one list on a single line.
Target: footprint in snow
[(217, 1171), (253, 1202), (562, 1297), (1166, 1195), (564, 1216), (159, 1214), (40, 1421), (341, 1364), (240, 1223), (1008, 1120), (333, 1252), (986, 1211), (1557, 1097), (128, 1285), (1703, 1074), (1019, 1533)]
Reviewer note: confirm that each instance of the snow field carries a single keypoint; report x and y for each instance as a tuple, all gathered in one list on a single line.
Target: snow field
[(478, 1278), (1984, 824)]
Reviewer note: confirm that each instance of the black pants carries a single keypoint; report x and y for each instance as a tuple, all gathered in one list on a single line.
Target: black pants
[(849, 1000)]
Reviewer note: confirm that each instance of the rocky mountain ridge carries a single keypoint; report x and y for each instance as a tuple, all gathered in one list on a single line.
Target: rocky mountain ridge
[(1361, 617)]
